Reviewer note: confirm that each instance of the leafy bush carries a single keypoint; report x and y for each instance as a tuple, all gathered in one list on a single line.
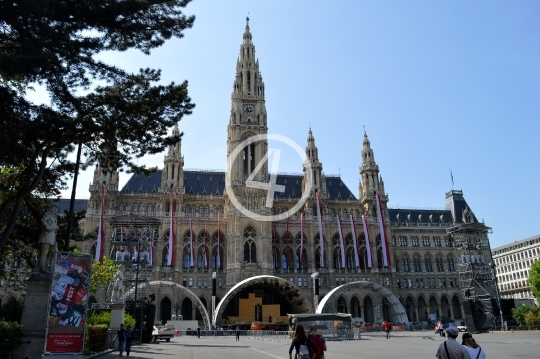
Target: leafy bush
[(521, 314), (11, 311), (96, 338), (104, 318), (10, 338)]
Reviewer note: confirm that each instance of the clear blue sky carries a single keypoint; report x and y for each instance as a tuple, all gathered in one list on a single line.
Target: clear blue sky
[(438, 85)]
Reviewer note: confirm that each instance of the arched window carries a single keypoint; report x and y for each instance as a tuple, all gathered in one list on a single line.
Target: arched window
[(250, 253), (185, 260), (284, 261)]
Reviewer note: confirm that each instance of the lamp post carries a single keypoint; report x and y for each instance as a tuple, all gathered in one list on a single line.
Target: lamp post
[(315, 277), (176, 309), (213, 298), (72, 200)]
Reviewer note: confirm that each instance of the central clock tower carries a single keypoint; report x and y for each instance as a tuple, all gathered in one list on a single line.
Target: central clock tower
[(248, 250)]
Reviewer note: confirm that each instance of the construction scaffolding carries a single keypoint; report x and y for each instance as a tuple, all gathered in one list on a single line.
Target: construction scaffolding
[(477, 279)]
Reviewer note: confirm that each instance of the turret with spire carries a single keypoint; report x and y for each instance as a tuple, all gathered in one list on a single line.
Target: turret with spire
[(370, 179), (173, 171), (312, 158)]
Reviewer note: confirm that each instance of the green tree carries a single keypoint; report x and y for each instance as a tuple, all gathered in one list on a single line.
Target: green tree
[(525, 313), (534, 279), (102, 274), (55, 43)]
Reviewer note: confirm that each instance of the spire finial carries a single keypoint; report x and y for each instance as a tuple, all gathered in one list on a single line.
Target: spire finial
[(364, 129), (247, 20)]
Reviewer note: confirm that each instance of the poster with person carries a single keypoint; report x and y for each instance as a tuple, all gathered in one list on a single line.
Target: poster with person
[(67, 303)]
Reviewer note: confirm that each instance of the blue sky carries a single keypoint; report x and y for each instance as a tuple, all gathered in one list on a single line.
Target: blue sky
[(437, 84)]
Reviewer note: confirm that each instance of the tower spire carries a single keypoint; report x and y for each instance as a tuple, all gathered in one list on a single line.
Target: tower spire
[(370, 179), (312, 157)]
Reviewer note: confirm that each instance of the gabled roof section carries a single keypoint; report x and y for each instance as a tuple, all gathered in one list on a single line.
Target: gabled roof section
[(456, 204), (406, 215), (210, 182), (63, 205)]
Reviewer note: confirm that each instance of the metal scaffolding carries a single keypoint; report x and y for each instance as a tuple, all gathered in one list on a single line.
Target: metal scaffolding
[(475, 266)]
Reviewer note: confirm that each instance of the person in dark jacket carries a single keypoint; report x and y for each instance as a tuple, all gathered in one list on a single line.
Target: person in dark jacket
[(299, 339)]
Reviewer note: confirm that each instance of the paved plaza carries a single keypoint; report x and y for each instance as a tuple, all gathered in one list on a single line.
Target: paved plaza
[(421, 344)]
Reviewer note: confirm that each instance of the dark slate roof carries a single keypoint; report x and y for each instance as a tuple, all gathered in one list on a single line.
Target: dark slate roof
[(206, 182), (63, 205), (455, 203), (420, 215)]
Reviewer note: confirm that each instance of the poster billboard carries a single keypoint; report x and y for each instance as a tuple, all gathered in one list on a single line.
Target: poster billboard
[(67, 303)]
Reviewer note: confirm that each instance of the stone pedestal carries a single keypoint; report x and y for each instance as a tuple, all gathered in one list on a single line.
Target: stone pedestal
[(117, 317), (34, 317)]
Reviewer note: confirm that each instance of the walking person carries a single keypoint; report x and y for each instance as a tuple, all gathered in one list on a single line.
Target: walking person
[(475, 350), (451, 349), (319, 341), (237, 333), (121, 336), (302, 345), (387, 328), (129, 339)]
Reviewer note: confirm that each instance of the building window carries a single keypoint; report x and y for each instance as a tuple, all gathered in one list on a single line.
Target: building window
[(425, 241), (417, 265), (205, 282), (437, 241), (440, 283), (403, 241), (387, 281), (305, 282), (393, 240), (190, 282), (451, 265), (414, 241), (405, 265), (300, 282), (199, 282), (446, 242), (410, 282), (220, 282), (429, 267), (440, 266)]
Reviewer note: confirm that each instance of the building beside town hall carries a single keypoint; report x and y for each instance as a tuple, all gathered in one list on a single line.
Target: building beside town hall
[(422, 273), (513, 262)]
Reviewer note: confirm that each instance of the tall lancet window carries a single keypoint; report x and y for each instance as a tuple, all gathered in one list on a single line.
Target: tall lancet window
[(249, 81)]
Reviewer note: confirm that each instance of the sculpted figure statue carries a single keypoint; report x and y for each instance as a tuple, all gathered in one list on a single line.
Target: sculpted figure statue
[(47, 240), (118, 287)]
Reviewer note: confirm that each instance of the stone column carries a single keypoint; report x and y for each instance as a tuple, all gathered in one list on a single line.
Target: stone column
[(362, 312), (439, 311), (451, 312), (117, 317), (416, 313), (34, 317), (194, 313)]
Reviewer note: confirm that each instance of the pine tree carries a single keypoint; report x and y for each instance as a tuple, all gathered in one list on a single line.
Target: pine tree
[(53, 43)]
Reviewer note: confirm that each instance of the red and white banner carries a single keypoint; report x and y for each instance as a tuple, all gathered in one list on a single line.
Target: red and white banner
[(276, 264), (287, 245), (382, 229), (321, 235), (191, 263), (204, 248), (170, 254), (218, 252), (341, 242), (368, 242), (301, 237), (100, 248), (151, 259), (356, 259)]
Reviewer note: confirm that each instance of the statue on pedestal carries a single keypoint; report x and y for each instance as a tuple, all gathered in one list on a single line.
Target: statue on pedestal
[(47, 240), (118, 286)]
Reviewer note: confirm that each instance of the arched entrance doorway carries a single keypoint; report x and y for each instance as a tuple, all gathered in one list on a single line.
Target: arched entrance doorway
[(191, 301), (369, 315), (289, 292), (165, 310), (355, 307), (341, 305), (187, 309), (395, 311)]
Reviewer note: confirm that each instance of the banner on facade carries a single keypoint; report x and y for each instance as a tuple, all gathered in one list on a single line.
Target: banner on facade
[(68, 302)]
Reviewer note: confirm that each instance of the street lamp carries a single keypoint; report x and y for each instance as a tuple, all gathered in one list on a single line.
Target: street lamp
[(213, 297), (176, 309)]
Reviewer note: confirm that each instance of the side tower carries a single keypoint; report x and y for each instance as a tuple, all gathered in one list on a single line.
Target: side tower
[(312, 158), (371, 182), (173, 170), (248, 252)]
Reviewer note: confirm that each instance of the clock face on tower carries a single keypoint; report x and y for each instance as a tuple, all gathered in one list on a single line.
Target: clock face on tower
[(249, 109)]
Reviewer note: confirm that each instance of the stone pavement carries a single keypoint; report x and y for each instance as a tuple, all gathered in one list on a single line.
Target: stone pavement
[(420, 344)]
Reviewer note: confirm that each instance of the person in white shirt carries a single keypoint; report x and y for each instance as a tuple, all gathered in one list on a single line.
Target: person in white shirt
[(475, 351)]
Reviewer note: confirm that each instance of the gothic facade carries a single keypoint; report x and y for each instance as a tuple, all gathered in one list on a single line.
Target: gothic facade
[(422, 269)]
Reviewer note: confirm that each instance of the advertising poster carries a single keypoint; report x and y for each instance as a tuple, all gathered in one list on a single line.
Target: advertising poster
[(67, 303)]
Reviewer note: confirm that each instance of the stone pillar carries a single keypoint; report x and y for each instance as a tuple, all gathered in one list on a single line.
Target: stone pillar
[(439, 311), (34, 317), (462, 311), (194, 313), (117, 317), (451, 312), (362, 312), (416, 313)]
